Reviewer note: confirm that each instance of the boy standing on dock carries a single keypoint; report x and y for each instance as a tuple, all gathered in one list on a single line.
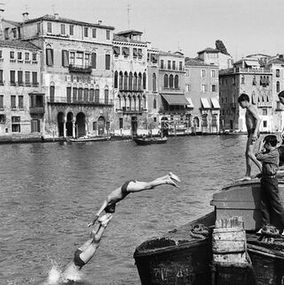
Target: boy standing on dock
[(269, 194), (252, 124)]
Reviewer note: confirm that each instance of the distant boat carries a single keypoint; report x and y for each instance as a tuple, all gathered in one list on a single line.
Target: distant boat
[(89, 139), (150, 140)]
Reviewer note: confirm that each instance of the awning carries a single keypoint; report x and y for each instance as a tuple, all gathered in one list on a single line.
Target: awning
[(252, 63), (205, 103), (175, 99), (154, 57), (215, 103), (125, 51), (190, 104), (116, 50), (135, 52)]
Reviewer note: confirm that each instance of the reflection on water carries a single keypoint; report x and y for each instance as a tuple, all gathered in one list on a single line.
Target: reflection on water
[(50, 192)]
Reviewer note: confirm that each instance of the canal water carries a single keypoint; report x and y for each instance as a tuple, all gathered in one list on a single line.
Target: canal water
[(51, 191)]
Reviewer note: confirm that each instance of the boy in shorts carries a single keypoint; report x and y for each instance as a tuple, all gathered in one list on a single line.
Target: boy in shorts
[(252, 124)]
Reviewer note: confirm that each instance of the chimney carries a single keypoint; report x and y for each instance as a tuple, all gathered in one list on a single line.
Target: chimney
[(25, 16), (56, 15), (100, 21)]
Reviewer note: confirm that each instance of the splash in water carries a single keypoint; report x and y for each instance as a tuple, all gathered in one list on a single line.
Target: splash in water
[(56, 276)]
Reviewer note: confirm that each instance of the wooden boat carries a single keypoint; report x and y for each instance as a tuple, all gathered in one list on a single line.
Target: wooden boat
[(177, 258), (150, 140), (89, 139)]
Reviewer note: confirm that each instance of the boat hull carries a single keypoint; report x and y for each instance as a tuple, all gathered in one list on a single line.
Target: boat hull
[(149, 141), (168, 261)]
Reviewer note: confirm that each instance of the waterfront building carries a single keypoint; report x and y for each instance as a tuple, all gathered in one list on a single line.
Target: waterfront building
[(76, 73), (276, 65), (173, 106), (152, 91), (21, 98), (214, 56), (130, 82), (202, 91), (247, 76)]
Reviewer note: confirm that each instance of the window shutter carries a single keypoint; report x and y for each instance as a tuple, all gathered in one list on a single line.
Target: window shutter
[(49, 57), (94, 60), (65, 58)]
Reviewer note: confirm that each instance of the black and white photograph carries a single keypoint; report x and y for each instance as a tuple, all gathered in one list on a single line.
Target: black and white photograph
[(141, 142)]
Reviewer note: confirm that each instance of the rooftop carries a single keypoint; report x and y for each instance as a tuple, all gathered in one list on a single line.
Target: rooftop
[(18, 44), (55, 18), (196, 62)]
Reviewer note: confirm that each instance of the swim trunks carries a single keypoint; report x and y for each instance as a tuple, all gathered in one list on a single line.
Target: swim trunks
[(110, 208), (77, 259)]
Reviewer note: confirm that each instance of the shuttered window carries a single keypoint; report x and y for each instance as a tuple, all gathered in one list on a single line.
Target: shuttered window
[(65, 58), (107, 62), (94, 60), (49, 56)]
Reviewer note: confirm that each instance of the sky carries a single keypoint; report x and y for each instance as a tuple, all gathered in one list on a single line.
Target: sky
[(244, 26)]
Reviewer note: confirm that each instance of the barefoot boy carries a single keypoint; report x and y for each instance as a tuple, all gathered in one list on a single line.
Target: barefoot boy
[(270, 204), (85, 252), (252, 124), (132, 186)]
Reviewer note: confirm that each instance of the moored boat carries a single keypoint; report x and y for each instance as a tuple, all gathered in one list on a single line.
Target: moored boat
[(150, 140), (178, 258), (89, 139)]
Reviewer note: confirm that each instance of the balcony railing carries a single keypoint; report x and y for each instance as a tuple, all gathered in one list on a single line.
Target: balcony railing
[(131, 111), (245, 70), (37, 110), (264, 104), (80, 69), (64, 100)]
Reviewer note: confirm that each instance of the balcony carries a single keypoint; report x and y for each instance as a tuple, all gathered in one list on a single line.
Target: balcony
[(130, 111), (36, 110), (70, 101), (264, 105), (80, 69)]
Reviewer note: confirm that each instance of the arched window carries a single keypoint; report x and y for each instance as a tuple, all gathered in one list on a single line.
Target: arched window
[(154, 104), (139, 103), (130, 81), (116, 79), (196, 122), (125, 80), (75, 93), (144, 80), (277, 86), (106, 95), (176, 82), (166, 81), (120, 80), (92, 94), (97, 94), (154, 82), (51, 92), (135, 81), (80, 94), (171, 81), (144, 102), (139, 81), (86, 95), (119, 102), (129, 100)]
